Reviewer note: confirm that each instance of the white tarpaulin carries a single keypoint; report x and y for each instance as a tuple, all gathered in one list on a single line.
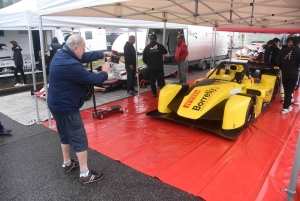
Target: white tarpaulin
[(283, 14), (24, 13)]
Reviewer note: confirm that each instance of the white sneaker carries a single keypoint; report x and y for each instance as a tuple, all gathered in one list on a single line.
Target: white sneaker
[(295, 102), (23, 84), (285, 111), (290, 108), (18, 84)]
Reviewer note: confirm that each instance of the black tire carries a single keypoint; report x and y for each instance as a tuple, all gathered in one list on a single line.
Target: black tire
[(275, 90), (250, 114), (89, 92), (202, 65)]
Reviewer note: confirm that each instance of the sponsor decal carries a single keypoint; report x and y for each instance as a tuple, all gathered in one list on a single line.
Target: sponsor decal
[(205, 98), (191, 99), (220, 82)]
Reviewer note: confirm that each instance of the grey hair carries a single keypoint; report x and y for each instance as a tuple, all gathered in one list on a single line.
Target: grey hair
[(74, 40), (131, 37)]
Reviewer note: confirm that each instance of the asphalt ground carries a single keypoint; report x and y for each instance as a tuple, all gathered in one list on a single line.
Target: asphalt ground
[(30, 161)]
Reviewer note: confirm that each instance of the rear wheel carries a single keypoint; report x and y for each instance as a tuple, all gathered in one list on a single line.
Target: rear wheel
[(275, 90)]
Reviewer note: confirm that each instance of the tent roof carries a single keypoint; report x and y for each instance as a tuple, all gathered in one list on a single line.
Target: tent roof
[(284, 14), (19, 15)]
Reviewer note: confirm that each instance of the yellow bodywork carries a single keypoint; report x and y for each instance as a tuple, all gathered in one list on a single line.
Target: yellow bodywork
[(224, 102), (206, 93), (235, 112), (166, 96)]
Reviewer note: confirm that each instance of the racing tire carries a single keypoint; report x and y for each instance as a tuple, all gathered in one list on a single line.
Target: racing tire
[(275, 90), (89, 92), (250, 114)]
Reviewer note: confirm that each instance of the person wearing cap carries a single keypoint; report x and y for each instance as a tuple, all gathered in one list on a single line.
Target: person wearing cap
[(180, 57), (153, 57), (130, 65)]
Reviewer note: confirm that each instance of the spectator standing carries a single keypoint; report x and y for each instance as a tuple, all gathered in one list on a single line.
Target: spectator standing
[(153, 57), (18, 61), (68, 82), (55, 45), (180, 57), (130, 65), (288, 62)]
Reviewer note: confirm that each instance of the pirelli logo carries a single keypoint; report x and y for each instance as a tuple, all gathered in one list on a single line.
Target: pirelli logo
[(191, 99)]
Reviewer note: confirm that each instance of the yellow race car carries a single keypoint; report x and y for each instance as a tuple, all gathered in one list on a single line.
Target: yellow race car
[(225, 102)]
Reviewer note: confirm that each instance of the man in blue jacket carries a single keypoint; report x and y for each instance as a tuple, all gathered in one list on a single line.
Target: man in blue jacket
[(68, 82)]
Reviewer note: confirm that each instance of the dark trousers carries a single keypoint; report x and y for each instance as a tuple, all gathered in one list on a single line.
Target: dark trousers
[(158, 76), (19, 68), (288, 81), (130, 77)]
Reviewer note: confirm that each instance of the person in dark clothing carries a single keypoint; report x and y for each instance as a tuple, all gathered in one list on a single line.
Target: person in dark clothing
[(130, 65), (55, 45), (289, 43), (274, 51), (153, 57), (18, 60), (267, 53), (47, 60), (68, 82), (288, 61), (65, 39)]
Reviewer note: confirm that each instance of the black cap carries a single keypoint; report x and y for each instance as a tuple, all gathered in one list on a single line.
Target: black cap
[(153, 37)]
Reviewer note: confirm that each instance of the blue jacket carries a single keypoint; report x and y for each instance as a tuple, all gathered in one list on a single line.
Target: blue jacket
[(68, 80)]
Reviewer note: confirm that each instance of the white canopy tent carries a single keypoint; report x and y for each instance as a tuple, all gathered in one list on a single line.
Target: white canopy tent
[(24, 16), (215, 13), (282, 14)]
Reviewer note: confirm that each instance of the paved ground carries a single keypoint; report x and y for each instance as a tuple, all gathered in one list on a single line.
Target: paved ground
[(30, 167)]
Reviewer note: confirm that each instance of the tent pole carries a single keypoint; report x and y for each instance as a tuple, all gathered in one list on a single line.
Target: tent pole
[(214, 46), (44, 68), (164, 31), (187, 44), (137, 66), (33, 74), (291, 191)]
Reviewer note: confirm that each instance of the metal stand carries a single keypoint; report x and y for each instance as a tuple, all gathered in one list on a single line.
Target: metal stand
[(291, 191)]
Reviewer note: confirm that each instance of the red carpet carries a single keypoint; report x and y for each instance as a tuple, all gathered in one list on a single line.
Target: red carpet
[(256, 166)]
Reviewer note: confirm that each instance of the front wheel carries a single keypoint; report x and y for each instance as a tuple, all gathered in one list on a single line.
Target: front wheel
[(250, 114)]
